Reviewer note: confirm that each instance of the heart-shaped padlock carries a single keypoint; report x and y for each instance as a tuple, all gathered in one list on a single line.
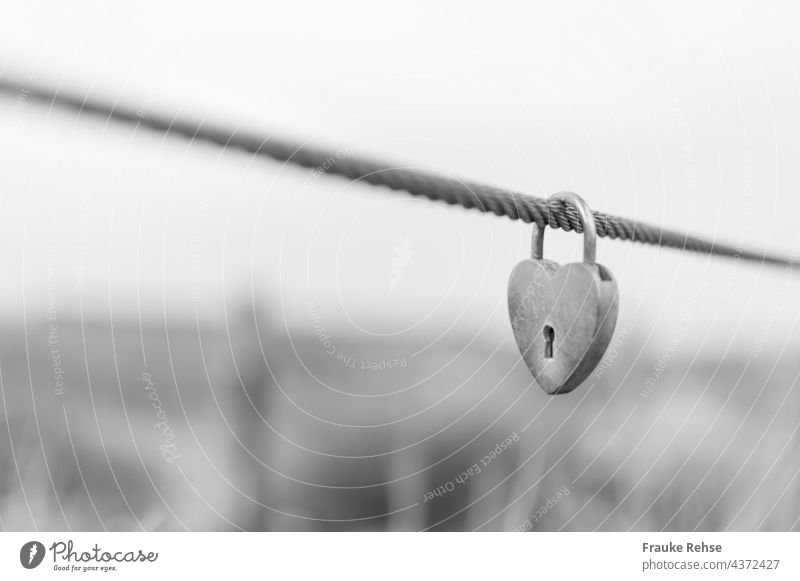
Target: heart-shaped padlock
[(563, 317)]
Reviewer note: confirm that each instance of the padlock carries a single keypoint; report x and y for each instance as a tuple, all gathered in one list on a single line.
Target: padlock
[(563, 317)]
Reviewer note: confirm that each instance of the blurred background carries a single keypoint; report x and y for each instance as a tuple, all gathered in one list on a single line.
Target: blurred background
[(197, 339)]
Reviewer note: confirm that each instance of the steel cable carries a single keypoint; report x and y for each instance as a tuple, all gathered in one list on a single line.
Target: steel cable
[(433, 186)]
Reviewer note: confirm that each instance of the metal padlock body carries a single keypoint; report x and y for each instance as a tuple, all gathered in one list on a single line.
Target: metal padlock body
[(563, 317)]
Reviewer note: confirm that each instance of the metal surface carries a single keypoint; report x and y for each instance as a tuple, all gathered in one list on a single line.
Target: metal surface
[(563, 317)]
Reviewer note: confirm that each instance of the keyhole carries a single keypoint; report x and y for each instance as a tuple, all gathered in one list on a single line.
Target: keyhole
[(549, 337)]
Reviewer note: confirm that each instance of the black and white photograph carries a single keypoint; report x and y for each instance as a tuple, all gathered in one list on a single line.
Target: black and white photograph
[(301, 277)]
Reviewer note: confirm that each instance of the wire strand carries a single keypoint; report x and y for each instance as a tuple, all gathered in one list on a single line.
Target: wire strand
[(434, 186)]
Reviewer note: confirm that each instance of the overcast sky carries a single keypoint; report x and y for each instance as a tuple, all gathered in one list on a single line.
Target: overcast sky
[(682, 115)]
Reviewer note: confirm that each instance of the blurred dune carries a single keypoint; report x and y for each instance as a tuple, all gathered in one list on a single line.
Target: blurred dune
[(272, 431)]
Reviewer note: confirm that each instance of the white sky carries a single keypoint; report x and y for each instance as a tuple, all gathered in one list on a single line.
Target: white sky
[(681, 114)]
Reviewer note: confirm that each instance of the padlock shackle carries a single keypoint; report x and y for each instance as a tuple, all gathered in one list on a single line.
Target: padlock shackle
[(587, 221), (537, 242)]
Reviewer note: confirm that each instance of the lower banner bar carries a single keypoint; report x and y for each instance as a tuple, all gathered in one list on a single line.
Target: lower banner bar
[(352, 556)]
